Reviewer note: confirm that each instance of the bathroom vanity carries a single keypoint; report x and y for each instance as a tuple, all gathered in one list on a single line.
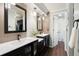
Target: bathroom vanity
[(28, 46)]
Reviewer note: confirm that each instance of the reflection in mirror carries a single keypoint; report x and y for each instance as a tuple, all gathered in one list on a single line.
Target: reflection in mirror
[(16, 17), (39, 23)]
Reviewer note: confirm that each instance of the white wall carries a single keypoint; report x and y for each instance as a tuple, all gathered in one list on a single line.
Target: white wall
[(70, 26), (51, 30), (31, 20)]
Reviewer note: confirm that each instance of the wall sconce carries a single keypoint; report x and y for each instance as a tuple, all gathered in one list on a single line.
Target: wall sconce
[(39, 19), (34, 13), (43, 18)]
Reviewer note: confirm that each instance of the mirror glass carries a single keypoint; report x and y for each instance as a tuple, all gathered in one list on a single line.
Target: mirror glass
[(16, 18), (39, 23)]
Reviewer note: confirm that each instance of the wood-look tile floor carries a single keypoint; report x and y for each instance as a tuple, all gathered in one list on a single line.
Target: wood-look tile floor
[(57, 50)]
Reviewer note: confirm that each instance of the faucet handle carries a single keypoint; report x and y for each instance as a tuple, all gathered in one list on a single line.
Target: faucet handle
[(18, 36)]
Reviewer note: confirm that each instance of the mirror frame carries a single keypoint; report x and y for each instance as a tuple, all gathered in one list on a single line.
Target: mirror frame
[(6, 19), (38, 24)]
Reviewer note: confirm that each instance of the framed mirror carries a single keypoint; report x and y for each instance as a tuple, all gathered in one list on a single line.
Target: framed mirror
[(15, 18), (39, 23)]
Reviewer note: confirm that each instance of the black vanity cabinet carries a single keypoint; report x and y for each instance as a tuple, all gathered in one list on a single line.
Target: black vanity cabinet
[(35, 48), (26, 50), (46, 38), (43, 45)]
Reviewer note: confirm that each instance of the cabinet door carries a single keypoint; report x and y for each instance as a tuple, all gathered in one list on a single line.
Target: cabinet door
[(35, 48), (41, 48), (47, 41), (28, 50)]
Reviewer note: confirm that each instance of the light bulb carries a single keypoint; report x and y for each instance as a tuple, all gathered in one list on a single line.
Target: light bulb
[(43, 18), (39, 19), (9, 5), (34, 13)]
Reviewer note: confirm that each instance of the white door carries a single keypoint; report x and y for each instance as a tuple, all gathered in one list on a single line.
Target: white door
[(59, 20)]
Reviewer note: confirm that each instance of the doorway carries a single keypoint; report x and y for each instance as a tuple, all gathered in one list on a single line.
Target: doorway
[(59, 27)]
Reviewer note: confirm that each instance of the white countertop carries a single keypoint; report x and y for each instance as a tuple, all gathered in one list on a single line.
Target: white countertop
[(12, 45), (42, 35)]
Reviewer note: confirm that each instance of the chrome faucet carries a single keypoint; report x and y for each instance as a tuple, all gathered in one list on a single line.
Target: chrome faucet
[(18, 36)]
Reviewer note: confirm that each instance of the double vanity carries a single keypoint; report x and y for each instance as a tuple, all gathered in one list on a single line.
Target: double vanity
[(28, 46), (15, 21)]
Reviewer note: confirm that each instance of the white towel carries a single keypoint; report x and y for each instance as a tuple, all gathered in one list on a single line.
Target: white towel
[(73, 38)]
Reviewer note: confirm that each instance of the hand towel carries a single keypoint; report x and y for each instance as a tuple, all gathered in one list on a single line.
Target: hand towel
[(73, 38)]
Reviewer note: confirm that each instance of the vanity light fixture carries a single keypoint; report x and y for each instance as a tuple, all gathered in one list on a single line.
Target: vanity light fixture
[(43, 17), (34, 12)]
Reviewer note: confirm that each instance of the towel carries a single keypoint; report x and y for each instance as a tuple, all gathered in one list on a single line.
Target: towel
[(73, 38)]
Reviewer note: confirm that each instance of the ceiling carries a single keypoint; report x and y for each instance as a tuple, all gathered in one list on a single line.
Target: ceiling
[(55, 6), (42, 7)]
